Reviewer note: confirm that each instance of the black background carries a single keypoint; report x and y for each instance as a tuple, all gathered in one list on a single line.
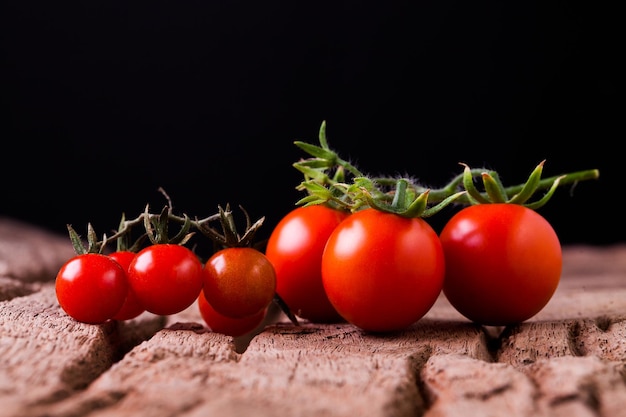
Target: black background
[(104, 102)]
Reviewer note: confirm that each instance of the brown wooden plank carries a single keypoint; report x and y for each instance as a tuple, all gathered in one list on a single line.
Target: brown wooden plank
[(46, 356), (579, 386), (458, 385), (566, 361), (29, 253)]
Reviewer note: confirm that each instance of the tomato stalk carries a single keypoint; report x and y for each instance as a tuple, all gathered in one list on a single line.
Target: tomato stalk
[(157, 227), (229, 237), (333, 181)]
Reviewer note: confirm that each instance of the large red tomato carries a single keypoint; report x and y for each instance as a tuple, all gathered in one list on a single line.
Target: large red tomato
[(382, 272), (295, 249), (503, 263)]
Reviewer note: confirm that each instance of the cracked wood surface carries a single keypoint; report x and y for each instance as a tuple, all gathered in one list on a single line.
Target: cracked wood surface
[(568, 360)]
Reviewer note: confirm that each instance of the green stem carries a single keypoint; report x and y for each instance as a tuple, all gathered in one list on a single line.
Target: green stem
[(346, 192), (546, 183)]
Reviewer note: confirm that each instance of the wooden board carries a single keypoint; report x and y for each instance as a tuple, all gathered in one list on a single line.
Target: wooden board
[(566, 361)]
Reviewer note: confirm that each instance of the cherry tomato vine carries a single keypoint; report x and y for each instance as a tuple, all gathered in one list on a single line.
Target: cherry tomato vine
[(356, 248), (165, 277)]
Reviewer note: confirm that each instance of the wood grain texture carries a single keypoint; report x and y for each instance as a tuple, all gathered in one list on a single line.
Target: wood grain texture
[(568, 360)]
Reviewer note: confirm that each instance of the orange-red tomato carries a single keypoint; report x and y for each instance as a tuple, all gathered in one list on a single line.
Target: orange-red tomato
[(382, 272), (503, 263), (295, 249), (239, 282), (230, 326)]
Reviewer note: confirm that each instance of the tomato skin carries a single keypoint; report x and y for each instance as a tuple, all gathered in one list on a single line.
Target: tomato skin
[(239, 282), (230, 326), (382, 272), (503, 263), (91, 287), (131, 307), (295, 248), (166, 278)]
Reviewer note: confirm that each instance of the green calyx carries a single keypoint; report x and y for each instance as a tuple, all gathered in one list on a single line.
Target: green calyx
[(495, 192), (229, 237), (93, 244), (406, 202)]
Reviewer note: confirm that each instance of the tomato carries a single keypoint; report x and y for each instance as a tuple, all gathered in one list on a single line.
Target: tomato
[(131, 307), (382, 272), (91, 287), (166, 278), (503, 263), (295, 248), (239, 281), (230, 326)]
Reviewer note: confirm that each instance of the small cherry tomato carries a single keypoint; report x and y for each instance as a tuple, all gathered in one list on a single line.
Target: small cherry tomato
[(166, 278), (239, 281), (381, 271), (295, 248), (230, 326), (503, 263), (91, 288), (131, 308)]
